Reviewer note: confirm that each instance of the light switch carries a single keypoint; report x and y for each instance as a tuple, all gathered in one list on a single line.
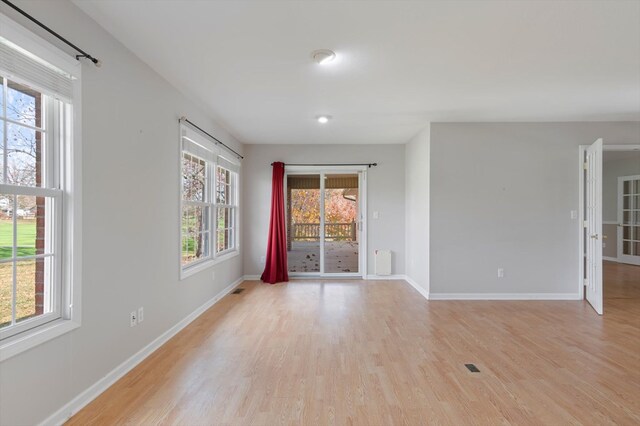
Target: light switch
[(574, 214), (376, 215)]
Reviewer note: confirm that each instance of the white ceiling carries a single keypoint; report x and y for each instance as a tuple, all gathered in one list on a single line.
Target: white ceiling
[(400, 64)]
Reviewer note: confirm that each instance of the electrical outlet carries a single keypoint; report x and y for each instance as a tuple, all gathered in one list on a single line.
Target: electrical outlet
[(500, 272), (213, 275), (140, 314), (604, 245), (133, 319)]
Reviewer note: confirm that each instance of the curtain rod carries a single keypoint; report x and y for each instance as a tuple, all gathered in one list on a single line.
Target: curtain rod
[(333, 164), (83, 54), (185, 119)]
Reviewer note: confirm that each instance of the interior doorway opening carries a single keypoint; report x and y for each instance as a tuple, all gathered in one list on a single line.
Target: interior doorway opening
[(610, 229)]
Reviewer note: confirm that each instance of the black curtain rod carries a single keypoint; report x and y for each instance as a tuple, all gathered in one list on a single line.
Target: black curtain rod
[(210, 135), (83, 54), (333, 164)]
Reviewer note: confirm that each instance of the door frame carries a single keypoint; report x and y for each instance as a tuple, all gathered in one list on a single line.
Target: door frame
[(581, 211), (620, 219), (361, 171)]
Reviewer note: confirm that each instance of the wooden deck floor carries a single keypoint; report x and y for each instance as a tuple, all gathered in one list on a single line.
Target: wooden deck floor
[(340, 257), (377, 353)]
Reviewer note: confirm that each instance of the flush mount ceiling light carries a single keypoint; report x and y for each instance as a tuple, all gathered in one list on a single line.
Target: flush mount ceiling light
[(323, 56), (323, 119)]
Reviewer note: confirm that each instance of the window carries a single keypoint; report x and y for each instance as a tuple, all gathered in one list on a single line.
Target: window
[(208, 203), (226, 209), (37, 163)]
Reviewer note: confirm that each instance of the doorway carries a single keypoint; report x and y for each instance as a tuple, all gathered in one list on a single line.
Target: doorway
[(326, 222), (610, 226)]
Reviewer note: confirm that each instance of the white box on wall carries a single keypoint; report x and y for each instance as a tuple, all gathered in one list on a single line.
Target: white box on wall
[(383, 262)]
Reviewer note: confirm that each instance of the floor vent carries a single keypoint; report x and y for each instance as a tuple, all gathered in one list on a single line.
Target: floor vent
[(237, 291), (472, 368)]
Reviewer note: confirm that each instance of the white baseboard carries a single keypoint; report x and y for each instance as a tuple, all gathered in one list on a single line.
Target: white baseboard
[(89, 394), (385, 277), (610, 259), (252, 277), (504, 296), (415, 285)]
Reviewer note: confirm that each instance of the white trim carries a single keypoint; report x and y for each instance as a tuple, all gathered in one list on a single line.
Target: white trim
[(505, 296), (194, 268), (621, 147), (418, 288), (36, 336), (328, 169), (252, 277), (610, 259), (582, 149), (93, 391)]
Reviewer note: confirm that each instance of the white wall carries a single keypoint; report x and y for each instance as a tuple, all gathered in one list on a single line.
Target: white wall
[(385, 195), (501, 196), (417, 208), (610, 172), (130, 232)]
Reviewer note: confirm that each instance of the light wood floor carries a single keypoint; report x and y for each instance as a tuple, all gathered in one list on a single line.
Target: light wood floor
[(377, 353), (621, 281)]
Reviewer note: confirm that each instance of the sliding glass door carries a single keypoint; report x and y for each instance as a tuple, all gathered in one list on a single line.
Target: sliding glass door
[(341, 222), (324, 222)]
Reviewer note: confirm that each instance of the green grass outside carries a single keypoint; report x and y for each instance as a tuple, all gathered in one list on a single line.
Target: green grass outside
[(26, 238)]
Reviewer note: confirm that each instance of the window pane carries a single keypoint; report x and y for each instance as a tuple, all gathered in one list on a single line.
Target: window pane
[(24, 156), (32, 231), (1, 151), (31, 292), (222, 186), (24, 105), (194, 174), (1, 97), (195, 239), (6, 291), (220, 242), (187, 240), (6, 226), (205, 244)]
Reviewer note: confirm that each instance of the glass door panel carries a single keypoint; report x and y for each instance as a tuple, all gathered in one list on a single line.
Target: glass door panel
[(341, 223), (303, 223), (630, 224)]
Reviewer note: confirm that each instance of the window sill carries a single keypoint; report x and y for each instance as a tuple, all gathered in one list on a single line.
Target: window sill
[(201, 266), (32, 338)]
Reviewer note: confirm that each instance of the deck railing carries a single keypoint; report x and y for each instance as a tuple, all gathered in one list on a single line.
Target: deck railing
[(332, 231)]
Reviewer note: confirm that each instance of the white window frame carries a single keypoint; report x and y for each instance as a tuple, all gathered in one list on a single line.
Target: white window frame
[(233, 189), (208, 151), (66, 193)]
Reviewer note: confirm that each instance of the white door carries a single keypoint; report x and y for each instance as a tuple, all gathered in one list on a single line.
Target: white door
[(629, 219), (593, 242)]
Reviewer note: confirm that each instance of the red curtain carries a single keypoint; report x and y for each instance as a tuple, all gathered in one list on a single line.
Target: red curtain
[(275, 269)]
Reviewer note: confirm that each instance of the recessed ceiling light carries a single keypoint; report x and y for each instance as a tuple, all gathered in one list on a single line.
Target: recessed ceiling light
[(323, 56), (323, 119)]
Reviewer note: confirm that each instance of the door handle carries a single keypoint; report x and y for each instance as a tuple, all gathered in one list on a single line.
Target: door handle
[(594, 236)]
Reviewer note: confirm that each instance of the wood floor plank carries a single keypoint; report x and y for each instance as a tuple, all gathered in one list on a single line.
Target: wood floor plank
[(377, 353)]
